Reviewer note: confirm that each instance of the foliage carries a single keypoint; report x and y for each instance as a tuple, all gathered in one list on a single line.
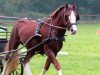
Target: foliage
[(19, 7)]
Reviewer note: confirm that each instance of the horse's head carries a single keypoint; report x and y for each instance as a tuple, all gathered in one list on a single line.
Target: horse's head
[(70, 17)]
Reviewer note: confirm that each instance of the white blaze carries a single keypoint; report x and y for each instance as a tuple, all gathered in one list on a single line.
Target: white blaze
[(72, 19)]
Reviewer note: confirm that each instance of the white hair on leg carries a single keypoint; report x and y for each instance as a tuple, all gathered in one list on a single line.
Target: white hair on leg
[(27, 68), (59, 72), (4, 69), (43, 72)]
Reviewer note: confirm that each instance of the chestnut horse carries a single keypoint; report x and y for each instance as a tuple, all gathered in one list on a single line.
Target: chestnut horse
[(54, 28)]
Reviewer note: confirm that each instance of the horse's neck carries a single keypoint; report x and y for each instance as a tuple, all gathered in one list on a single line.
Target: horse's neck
[(57, 21)]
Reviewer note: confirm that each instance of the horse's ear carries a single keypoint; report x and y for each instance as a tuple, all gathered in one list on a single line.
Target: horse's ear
[(74, 6), (66, 5)]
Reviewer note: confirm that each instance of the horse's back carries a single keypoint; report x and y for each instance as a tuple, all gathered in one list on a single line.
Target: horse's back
[(25, 24), (26, 28)]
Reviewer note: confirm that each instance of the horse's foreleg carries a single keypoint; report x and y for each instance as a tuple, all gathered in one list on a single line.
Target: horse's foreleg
[(53, 59), (46, 67), (43, 72)]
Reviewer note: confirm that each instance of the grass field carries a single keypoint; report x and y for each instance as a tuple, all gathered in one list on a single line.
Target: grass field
[(83, 54)]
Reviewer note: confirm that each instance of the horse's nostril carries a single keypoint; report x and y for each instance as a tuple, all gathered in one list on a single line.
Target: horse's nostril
[(74, 32), (71, 30)]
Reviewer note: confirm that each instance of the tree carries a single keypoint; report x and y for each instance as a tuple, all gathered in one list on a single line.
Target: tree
[(28, 7)]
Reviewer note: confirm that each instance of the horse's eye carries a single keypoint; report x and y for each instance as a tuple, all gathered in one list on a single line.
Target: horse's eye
[(66, 18)]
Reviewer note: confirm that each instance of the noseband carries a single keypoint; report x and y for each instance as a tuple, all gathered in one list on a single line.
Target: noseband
[(73, 24)]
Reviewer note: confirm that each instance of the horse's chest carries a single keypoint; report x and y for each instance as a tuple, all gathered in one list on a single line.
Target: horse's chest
[(55, 45)]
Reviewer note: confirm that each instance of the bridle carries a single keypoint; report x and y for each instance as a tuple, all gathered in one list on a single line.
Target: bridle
[(52, 25), (64, 19)]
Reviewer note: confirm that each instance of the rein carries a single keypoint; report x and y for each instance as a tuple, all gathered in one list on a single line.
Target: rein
[(55, 26), (41, 43)]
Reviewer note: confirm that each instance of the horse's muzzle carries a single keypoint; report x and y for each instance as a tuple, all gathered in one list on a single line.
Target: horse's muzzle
[(73, 29)]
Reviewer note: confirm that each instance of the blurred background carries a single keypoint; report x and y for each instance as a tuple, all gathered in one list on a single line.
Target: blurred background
[(31, 7), (89, 10)]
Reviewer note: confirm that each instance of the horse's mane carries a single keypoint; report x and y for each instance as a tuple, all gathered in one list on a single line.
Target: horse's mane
[(56, 12)]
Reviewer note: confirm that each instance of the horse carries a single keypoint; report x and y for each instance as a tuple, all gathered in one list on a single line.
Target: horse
[(53, 28)]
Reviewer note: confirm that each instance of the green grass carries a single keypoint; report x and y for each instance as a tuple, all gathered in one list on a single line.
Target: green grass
[(84, 54)]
